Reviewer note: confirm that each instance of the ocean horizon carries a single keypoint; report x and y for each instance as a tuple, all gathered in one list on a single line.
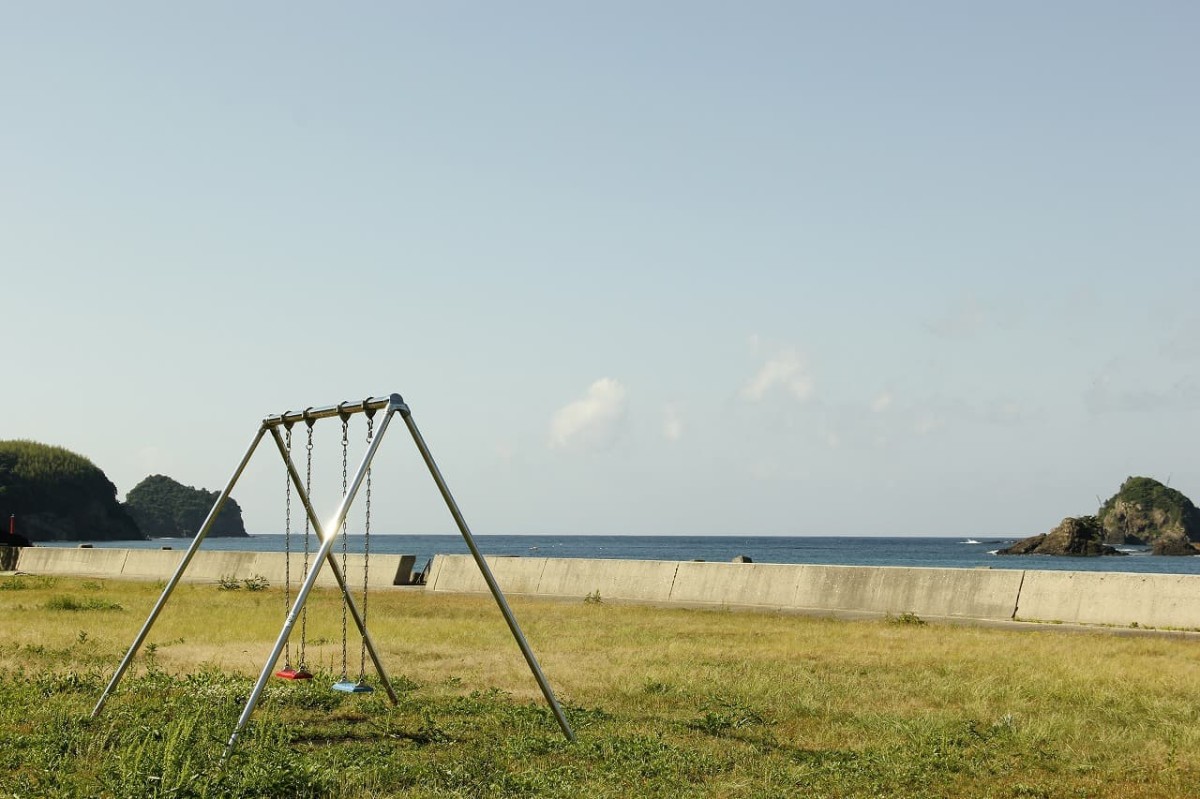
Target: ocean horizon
[(958, 552)]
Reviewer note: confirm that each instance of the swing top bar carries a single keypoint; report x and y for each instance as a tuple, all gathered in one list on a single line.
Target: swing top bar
[(371, 404)]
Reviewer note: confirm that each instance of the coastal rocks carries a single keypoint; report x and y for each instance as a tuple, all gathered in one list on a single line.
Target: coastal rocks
[(742, 559), (14, 540), (1079, 536), (1144, 511), (1174, 543)]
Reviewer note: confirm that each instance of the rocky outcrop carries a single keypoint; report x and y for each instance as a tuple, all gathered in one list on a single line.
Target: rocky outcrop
[(1174, 543), (1077, 536), (1144, 511)]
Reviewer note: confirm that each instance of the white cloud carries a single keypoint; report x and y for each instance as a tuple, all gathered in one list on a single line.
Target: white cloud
[(592, 422), (786, 371), (882, 402)]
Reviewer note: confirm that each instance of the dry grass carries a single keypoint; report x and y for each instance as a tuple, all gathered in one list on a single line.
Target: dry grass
[(856, 707)]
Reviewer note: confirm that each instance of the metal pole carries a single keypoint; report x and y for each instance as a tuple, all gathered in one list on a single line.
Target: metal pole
[(187, 558), (325, 412), (337, 569), (486, 571), (323, 554)]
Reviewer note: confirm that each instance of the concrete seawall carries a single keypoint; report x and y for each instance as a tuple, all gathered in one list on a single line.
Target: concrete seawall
[(205, 567), (1098, 598)]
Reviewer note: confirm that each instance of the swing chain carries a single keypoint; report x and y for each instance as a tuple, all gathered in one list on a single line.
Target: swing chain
[(345, 547), (362, 657), (308, 450), (287, 546)]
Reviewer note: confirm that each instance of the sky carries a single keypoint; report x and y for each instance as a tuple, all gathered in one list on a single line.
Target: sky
[(758, 268)]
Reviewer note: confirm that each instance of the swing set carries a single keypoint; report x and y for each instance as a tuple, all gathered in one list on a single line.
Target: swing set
[(295, 608)]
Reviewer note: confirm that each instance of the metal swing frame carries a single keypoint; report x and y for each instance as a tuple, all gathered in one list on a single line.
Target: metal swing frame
[(327, 535)]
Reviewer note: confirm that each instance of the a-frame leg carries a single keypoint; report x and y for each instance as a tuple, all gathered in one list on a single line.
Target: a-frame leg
[(486, 571), (183, 564)]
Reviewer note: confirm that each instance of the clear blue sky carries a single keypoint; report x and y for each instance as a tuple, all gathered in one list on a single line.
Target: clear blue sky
[(671, 267)]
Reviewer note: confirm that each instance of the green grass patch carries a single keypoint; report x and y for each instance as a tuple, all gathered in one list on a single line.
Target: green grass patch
[(63, 602)]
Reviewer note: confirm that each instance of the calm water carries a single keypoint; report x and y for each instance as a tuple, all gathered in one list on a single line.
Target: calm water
[(959, 553)]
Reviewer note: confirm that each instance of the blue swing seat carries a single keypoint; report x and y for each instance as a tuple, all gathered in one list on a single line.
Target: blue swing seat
[(352, 687)]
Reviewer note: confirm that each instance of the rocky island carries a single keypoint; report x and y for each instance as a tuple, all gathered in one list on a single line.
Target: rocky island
[(164, 508), (1148, 513), (1143, 512)]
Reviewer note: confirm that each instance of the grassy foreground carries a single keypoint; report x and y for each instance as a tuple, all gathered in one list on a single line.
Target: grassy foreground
[(665, 703)]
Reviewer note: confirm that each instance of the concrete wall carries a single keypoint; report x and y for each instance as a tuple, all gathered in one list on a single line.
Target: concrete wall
[(1122, 599), (946, 593), (1108, 598), (206, 566)]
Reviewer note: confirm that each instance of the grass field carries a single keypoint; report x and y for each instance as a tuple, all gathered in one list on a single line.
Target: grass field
[(665, 703)]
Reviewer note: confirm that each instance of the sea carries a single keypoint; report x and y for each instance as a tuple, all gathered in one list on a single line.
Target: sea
[(957, 552)]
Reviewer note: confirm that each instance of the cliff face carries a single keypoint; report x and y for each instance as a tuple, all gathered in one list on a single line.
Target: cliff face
[(1077, 536), (163, 507), (1144, 511), (58, 495)]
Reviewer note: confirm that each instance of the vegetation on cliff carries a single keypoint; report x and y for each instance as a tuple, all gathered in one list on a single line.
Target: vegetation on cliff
[(59, 495), (1144, 511), (163, 507)]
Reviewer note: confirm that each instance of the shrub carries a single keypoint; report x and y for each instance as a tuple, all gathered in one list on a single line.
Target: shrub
[(256, 582)]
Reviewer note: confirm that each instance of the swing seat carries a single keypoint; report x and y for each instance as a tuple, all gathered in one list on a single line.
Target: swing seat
[(352, 687), (293, 674)]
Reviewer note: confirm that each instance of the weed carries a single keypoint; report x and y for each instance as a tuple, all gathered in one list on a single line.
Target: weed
[(73, 604), (593, 598), (24, 582), (905, 618), (723, 715), (228, 582), (256, 582)]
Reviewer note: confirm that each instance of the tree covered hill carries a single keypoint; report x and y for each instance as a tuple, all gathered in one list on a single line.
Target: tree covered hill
[(163, 508), (58, 495), (1144, 511)]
